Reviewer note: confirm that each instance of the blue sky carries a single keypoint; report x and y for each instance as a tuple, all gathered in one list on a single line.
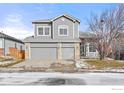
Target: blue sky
[(15, 19)]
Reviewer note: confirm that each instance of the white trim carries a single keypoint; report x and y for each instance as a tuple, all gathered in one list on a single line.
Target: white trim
[(2, 42), (73, 29), (53, 30), (66, 16), (60, 50), (62, 26), (35, 34), (78, 31), (44, 30)]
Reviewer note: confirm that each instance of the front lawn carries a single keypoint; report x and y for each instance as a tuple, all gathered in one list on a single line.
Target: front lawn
[(2, 59), (10, 63), (57, 67), (103, 64)]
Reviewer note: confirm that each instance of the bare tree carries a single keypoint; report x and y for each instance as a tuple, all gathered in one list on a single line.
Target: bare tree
[(106, 28)]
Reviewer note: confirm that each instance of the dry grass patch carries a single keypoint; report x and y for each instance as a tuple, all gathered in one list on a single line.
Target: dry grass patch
[(2, 59), (103, 64), (57, 67), (12, 63)]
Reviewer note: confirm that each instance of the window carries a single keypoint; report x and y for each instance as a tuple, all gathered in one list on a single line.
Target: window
[(43, 31), (63, 30), (92, 48), (47, 29), (40, 31)]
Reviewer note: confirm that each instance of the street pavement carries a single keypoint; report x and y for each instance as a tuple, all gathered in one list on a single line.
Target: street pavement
[(40, 78)]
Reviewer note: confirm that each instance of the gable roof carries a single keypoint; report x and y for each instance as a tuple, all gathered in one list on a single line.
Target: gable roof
[(68, 16), (2, 35), (50, 20)]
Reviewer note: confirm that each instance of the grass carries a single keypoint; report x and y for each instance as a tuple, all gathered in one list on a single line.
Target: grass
[(13, 63), (2, 59), (103, 64), (57, 67)]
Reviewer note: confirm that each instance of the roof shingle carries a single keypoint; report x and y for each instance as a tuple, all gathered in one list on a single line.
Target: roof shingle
[(2, 35)]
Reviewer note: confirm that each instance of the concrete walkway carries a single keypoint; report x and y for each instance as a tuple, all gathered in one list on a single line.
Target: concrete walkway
[(34, 63), (39, 63)]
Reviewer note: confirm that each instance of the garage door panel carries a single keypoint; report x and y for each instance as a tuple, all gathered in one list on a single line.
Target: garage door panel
[(43, 53), (68, 53)]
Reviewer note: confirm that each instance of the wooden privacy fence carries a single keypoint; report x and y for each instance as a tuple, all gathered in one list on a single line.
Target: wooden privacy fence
[(16, 53), (1, 52)]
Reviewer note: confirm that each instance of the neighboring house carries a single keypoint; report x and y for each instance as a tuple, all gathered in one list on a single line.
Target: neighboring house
[(7, 42), (118, 47), (87, 47), (54, 39)]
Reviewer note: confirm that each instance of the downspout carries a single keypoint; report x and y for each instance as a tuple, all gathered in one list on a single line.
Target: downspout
[(52, 30)]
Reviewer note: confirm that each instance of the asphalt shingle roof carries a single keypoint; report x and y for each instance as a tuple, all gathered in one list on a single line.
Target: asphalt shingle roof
[(2, 35), (39, 39), (42, 20), (50, 20), (86, 35)]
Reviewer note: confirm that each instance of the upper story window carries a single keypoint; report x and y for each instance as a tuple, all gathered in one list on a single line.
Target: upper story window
[(63, 30), (43, 30)]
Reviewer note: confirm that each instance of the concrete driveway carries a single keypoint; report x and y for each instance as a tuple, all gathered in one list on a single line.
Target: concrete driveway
[(34, 63), (40, 63)]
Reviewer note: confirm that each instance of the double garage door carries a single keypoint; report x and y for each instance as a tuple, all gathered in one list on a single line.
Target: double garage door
[(51, 53)]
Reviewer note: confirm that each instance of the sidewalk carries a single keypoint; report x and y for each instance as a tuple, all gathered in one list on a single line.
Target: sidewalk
[(33, 63)]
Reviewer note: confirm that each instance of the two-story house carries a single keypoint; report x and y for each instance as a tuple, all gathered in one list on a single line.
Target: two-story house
[(54, 39)]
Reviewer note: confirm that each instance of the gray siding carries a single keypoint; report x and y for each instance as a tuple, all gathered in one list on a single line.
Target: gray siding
[(68, 45), (76, 32), (1, 42), (10, 43), (59, 22), (41, 24), (72, 29)]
